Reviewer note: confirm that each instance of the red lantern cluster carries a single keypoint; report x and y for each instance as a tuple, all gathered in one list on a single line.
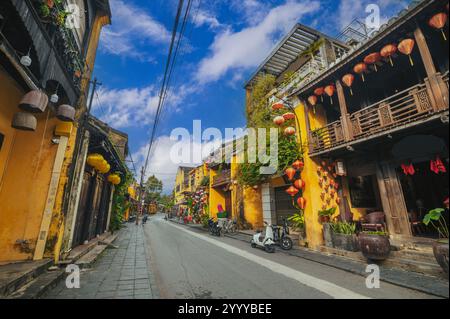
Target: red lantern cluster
[(298, 185)]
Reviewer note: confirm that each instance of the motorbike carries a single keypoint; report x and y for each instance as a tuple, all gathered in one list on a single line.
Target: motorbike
[(214, 228), (280, 236), (265, 240)]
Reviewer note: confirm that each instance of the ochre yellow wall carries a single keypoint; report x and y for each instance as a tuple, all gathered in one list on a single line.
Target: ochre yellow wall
[(26, 172), (216, 196), (253, 211)]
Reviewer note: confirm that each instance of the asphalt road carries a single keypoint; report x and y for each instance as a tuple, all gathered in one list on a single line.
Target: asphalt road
[(190, 264)]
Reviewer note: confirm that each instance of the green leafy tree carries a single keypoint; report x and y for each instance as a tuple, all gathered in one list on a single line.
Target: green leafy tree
[(153, 189), (121, 202)]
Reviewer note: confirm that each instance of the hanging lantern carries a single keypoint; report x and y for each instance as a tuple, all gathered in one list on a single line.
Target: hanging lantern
[(290, 173), (277, 106), (34, 102), (438, 22), (361, 68), (289, 131), (24, 122), (66, 113), (313, 102), (338, 200), (373, 59), (348, 80), (319, 92), (289, 116), (279, 120), (388, 51), (94, 159), (292, 191), (300, 184), (298, 165), (329, 90), (406, 47), (301, 201)]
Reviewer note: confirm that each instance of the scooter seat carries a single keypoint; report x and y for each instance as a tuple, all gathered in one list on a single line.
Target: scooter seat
[(261, 238)]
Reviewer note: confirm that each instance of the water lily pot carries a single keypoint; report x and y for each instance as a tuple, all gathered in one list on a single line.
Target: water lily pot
[(374, 247), (440, 250)]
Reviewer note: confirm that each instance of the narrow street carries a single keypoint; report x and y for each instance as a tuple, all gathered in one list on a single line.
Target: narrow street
[(188, 265)]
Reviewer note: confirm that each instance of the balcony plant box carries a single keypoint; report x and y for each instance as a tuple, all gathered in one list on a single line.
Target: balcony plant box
[(374, 245)]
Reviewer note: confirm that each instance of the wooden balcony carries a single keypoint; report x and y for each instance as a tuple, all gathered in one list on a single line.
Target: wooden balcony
[(222, 178), (404, 109)]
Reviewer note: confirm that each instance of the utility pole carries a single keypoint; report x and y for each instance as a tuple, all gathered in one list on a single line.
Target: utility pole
[(141, 198)]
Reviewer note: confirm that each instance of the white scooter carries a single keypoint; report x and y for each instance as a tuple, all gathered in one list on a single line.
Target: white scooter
[(264, 240)]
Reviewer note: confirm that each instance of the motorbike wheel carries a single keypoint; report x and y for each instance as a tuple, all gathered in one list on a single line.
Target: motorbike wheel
[(286, 243), (269, 249), (253, 244)]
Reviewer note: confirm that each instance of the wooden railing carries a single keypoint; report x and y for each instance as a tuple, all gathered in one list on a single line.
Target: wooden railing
[(403, 108), (222, 178)]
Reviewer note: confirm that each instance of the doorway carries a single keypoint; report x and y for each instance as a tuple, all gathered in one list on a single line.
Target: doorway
[(284, 207)]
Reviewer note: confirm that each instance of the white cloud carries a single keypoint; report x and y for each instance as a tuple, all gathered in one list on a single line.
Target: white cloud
[(203, 17), (248, 47), (131, 26)]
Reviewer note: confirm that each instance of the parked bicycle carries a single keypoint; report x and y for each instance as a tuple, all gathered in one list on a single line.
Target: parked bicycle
[(229, 226)]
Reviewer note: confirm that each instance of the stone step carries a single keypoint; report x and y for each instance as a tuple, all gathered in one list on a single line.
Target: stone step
[(88, 259), (16, 275), (39, 286)]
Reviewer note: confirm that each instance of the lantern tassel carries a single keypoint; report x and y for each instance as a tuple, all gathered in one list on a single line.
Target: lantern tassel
[(331, 99), (411, 60), (390, 60), (363, 78), (376, 68), (321, 98), (351, 92), (443, 34), (314, 110)]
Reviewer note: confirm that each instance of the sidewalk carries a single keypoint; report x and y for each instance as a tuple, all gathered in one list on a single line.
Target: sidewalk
[(122, 273), (427, 284)]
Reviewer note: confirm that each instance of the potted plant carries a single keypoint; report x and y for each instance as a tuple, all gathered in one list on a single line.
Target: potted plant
[(440, 247), (297, 224), (374, 245), (326, 214), (343, 236)]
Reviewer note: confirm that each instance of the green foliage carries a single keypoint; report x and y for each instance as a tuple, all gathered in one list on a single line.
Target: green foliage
[(297, 221), (44, 10), (204, 218), (120, 202), (436, 218), (313, 48), (167, 201), (205, 181), (344, 228), (327, 212), (288, 152), (153, 188), (376, 233), (258, 114)]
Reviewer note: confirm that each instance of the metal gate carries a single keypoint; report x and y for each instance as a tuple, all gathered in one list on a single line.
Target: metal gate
[(283, 205)]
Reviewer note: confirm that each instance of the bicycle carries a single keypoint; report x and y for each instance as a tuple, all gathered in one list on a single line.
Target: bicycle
[(230, 226)]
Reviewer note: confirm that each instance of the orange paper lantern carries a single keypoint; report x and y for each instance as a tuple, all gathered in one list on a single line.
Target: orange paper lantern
[(289, 131), (289, 116), (292, 191), (312, 100), (348, 80), (373, 59), (279, 120), (301, 201), (360, 68), (329, 90), (438, 22), (300, 184), (298, 165), (388, 51), (290, 173), (406, 47), (319, 92), (277, 106)]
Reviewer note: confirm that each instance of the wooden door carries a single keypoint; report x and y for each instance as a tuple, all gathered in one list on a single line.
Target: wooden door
[(83, 207)]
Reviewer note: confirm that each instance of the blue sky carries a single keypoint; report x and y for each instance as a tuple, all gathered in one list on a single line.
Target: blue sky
[(225, 42)]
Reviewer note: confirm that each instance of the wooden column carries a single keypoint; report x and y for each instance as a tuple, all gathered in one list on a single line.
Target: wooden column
[(438, 87), (345, 117), (394, 205), (308, 128)]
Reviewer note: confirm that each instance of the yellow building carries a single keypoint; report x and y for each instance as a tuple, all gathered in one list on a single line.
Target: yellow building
[(35, 155)]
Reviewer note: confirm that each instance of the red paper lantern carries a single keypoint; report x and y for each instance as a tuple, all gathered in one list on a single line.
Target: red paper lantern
[(312, 100), (406, 47), (319, 92), (289, 116), (290, 173), (348, 80), (338, 200), (289, 131), (292, 191), (298, 165), (300, 184), (301, 201), (277, 106), (360, 68), (438, 22), (279, 120), (329, 90), (388, 51), (373, 59)]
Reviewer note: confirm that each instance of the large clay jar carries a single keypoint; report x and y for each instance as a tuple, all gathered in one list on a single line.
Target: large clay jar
[(440, 250), (374, 247)]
